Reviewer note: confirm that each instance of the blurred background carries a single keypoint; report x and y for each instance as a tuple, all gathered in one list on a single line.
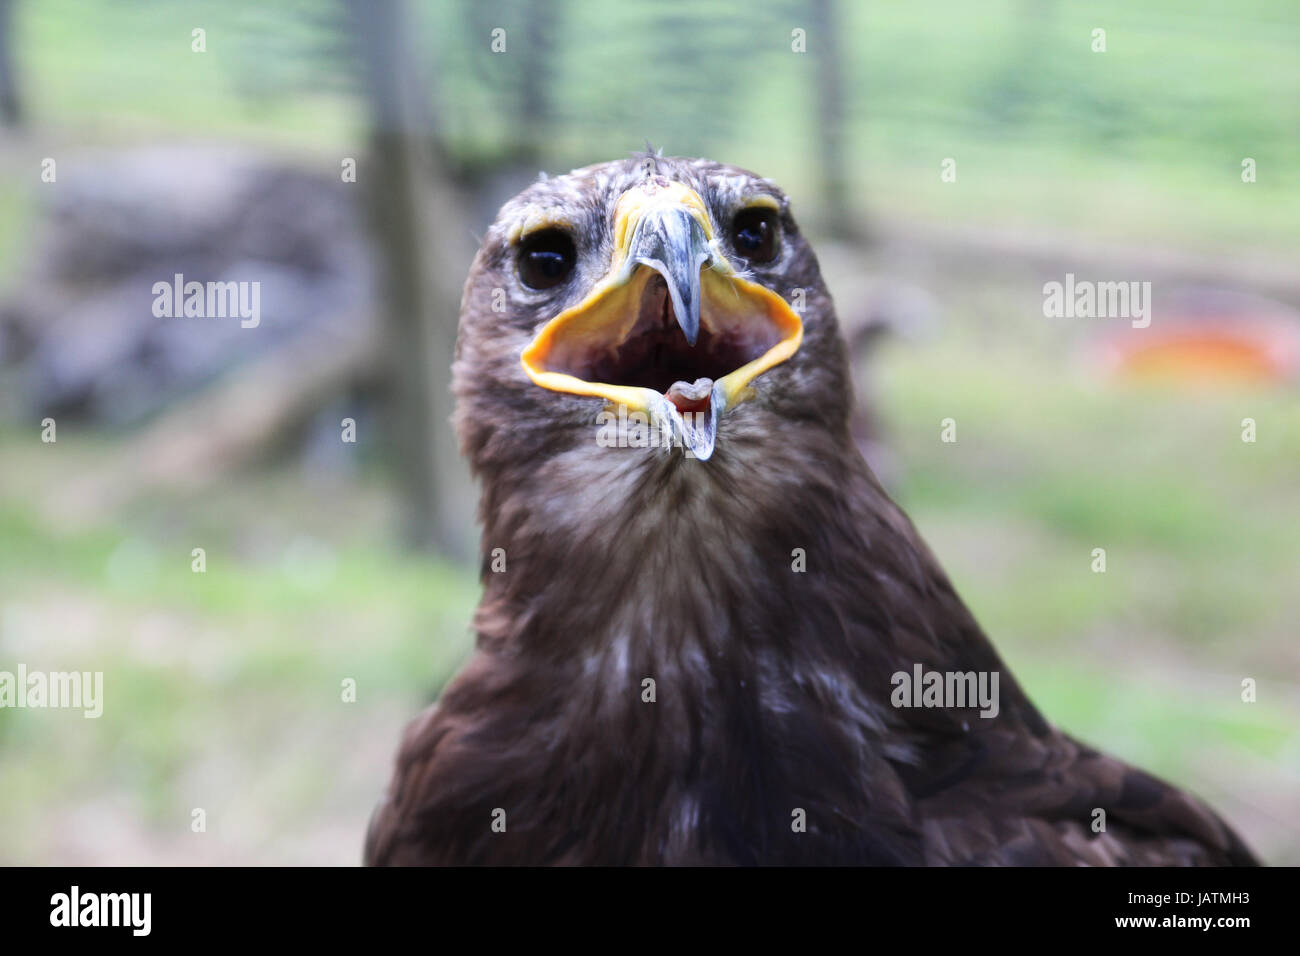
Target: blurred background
[(946, 158)]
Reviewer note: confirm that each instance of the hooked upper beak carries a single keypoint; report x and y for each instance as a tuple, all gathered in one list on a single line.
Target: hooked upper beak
[(671, 241), (671, 330)]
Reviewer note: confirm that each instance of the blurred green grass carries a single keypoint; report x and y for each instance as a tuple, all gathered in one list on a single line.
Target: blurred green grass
[(1200, 531), (223, 689)]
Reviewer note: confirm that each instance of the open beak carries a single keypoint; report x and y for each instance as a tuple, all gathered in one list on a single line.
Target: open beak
[(671, 331)]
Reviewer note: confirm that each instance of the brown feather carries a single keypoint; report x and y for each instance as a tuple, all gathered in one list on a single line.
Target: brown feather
[(773, 686)]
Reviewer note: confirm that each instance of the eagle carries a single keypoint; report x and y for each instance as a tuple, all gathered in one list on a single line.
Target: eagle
[(707, 636)]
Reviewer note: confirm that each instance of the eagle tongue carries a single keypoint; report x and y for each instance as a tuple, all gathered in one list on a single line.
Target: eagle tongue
[(690, 397), (692, 410)]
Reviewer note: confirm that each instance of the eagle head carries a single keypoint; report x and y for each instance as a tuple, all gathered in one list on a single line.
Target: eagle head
[(658, 303)]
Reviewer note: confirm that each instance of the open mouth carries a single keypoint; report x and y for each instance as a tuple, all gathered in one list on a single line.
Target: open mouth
[(652, 351), (672, 331)]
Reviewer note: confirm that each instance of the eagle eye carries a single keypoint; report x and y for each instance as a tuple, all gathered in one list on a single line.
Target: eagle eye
[(546, 258), (756, 233)]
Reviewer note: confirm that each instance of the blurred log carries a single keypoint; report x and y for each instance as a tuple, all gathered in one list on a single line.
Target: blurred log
[(232, 424), (78, 314)]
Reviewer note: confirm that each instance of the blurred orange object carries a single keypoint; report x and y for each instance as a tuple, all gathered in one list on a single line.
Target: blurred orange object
[(1208, 337)]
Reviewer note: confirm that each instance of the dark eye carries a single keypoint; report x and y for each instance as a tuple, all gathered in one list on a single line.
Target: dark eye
[(756, 234), (546, 258)]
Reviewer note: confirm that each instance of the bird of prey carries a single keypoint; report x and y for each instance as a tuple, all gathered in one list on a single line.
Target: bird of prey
[(702, 615)]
